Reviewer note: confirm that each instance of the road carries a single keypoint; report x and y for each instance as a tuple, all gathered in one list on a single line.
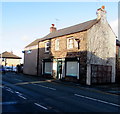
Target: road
[(23, 93)]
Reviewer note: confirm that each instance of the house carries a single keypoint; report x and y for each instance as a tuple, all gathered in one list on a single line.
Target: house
[(9, 59), (85, 52), (117, 61)]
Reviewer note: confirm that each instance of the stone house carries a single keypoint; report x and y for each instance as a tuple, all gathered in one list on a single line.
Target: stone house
[(85, 52), (9, 59)]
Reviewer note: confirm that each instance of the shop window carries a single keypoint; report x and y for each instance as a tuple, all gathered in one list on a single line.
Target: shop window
[(48, 67), (72, 68)]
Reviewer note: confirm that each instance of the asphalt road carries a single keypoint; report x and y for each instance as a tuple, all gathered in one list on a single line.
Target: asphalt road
[(23, 93)]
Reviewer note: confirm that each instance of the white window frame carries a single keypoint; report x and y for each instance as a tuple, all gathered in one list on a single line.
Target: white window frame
[(70, 45), (57, 44), (47, 46)]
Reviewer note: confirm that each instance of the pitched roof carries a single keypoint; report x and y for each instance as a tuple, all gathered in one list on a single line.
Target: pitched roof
[(65, 31), (33, 43), (72, 29), (9, 55)]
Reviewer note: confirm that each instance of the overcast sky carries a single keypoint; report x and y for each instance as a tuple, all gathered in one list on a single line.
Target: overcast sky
[(23, 22)]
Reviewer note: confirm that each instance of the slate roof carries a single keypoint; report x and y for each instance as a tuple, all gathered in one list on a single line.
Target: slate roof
[(65, 31), (9, 55), (33, 43)]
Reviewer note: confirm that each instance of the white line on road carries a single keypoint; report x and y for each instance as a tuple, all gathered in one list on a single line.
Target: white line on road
[(52, 88), (22, 97), (18, 93), (7, 103), (10, 90), (45, 87), (97, 100), (40, 106)]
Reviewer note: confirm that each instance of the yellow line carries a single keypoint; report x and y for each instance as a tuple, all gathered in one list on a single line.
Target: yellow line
[(23, 83)]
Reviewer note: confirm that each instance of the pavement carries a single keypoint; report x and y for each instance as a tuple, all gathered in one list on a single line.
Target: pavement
[(106, 88)]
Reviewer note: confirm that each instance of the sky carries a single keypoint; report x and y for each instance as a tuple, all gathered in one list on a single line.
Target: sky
[(23, 22)]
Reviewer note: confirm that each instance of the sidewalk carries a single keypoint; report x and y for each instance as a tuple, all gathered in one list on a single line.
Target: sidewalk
[(108, 88)]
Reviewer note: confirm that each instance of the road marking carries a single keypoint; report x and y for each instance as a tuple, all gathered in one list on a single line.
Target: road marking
[(18, 92), (10, 90), (97, 100), (45, 87), (40, 106), (32, 82), (7, 103), (52, 88), (22, 97)]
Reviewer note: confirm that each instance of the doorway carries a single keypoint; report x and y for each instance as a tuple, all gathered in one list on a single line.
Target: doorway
[(59, 70)]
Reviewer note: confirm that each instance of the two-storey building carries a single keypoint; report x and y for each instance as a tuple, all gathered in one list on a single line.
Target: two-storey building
[(85, 52)]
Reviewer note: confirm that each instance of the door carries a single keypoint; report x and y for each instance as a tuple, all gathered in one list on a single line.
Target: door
[(59, 70), (101, 74)]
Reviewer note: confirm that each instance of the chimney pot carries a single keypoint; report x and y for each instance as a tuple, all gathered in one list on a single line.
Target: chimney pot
[(53, 25), (101, 13), (103, 7), (53, 28)]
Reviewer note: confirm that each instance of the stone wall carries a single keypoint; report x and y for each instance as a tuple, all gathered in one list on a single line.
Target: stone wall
[(101, 48), (63, 52)]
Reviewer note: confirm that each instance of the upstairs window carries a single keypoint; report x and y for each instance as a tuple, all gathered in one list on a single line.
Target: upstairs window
[(47, 46), (29, 51), (70, 43), (57, 44)]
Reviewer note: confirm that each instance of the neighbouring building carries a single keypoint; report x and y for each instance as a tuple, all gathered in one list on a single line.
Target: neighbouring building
[(85, 52), (9, 59), (117, 61)]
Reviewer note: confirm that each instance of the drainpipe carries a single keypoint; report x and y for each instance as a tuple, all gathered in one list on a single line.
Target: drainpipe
[(38, 59)]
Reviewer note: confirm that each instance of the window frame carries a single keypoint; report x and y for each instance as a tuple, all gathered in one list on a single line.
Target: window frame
[(57, 44), (69, 43), (47, 46)]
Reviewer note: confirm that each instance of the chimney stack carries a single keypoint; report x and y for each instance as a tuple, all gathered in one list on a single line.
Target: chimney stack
[(52, 29), (101, 13)]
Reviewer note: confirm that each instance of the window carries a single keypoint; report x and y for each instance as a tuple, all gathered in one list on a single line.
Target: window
[(48, 67), (76, 43), (47, 46), (69, 43), (72, 68), (29, 51), (57, 44)]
